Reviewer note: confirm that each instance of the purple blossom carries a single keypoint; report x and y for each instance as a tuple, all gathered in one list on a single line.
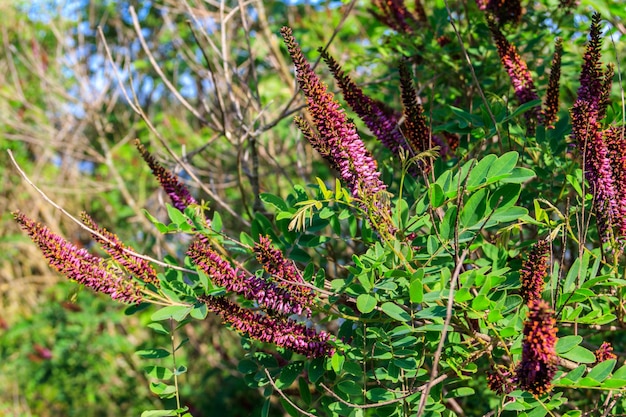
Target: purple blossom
[(504, 10), (338, 141), (289, 279), (604, 353), (396, 15), (615, 142), (519, 74), (139, 267), (551, 104), (280, 331), (176, 190), (602, 166), (79, 265), (269, 295), (538, 365), (415, 127), (379, 119), (500, 380), (534, 271)]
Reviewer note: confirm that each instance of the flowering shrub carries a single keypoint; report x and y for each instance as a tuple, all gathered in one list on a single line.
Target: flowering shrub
[(433, 307)]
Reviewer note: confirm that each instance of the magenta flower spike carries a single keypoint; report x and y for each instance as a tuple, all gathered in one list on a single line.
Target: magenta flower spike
[(280, 331), (379, 119), (269, 295), (138, 267), (519, 74), (538, 365), (79, 265), (504, 10), (534, 271), (605, 353), (338, 141), (600, 162), (287, 276), (175, 189)]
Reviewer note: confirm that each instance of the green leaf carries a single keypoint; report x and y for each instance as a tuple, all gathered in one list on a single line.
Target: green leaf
[(520, 175), (158, 372), (177, 313), (567, 343), (365, 303), (478, 174), (614, 383), (289, 374), (575, 374), (620, 373), (580, 354), (448, 223), (163, 390), (395, 312), (199, 311), (272, 200), (481, 302), (153, 353), (175, 215), (316, 369), (474, 209), (601, 371), (436, 195), (159, 413), (503, 166), (350, 387), (416, 291), (159, 328), (336, 362), (460, 392)]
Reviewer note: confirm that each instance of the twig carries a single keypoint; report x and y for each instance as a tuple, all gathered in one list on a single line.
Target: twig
[(85, 227), (282, 394)]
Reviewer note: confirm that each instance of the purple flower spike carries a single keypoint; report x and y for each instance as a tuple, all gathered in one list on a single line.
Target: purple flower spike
[(285, 271), (518, 73), (380, 120), (338, 141), (602, 154), (397, 16), (551, 104), (605, 353), (176, 190), (415, 128), (504, 10), (280, 331), (534, 271), (537, 367), (270, 296), (139, 267), (79, 265)]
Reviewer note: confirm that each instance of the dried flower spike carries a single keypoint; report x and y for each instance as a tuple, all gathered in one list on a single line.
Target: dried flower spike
[(551, 104)]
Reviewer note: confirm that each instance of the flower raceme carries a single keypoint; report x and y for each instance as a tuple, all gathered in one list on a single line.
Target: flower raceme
[(534, 271), (79, 265), (338, 142), (538, 365), (281, 331), (602, 150), (137, 266), (272, 297), (176, 190)]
